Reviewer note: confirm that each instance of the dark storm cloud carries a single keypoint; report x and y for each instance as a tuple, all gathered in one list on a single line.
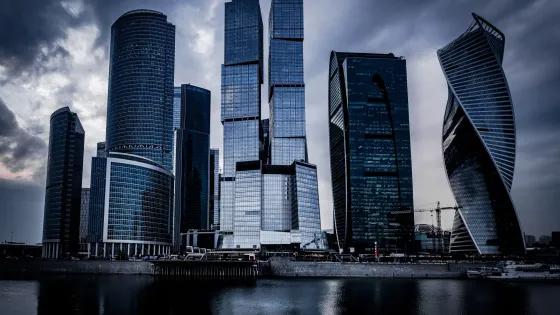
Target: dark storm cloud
[(17, 146), (21, 210), (29, 31)]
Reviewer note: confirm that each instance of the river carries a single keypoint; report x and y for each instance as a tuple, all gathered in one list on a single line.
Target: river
[(123, 295)]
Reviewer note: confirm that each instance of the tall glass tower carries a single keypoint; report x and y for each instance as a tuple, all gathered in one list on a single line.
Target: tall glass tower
[(192, 160), (479, 142), (140, 98), (241, 99), (131, 206), (61, 225), (370, 152), (269, 195), (286, 88)]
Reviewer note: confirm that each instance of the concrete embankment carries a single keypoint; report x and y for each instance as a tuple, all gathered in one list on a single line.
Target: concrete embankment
[(276, 267), (287, 268), (95, 267)]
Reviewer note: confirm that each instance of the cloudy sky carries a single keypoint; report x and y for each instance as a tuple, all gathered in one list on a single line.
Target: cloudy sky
[(55, 53)]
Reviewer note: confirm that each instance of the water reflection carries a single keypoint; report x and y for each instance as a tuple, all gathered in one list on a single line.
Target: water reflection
[(145, 295)]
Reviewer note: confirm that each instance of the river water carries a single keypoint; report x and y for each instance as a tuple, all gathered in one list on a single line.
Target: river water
[(145, 295)]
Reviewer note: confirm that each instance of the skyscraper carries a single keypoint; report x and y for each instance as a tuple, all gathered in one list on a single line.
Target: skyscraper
[(101, 152), (84, 219), (176, 107), (272, 200), (286, 88), (370, 152), (241, 100), (214, 186), (479, 142), (140, 98), (61, 225), (192, 160), (131, 211)]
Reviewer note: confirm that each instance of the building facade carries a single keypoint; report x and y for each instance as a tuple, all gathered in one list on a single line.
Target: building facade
[(479, 142), (61, 225), (131, 205), (214, 186), (140, 97), (101, 151), (192, 161), (242, 77), (84, 219), (269, 195), (369, 138), (286, 87)]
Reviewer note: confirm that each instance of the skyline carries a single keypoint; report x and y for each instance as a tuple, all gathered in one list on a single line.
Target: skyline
[(72, 60)]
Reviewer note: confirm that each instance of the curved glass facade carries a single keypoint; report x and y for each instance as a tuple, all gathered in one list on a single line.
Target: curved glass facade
[(140, 98), (479, 142), (370, 152), (139, 199), (61, 225)]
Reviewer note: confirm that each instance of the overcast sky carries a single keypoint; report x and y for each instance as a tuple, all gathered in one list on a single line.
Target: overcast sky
[(55, 53)]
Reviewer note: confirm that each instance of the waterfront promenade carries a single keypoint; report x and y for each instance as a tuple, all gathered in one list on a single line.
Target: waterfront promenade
[(276, 267)]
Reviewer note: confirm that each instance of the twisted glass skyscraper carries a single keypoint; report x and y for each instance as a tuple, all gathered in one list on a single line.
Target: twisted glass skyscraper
[(131, 207), (371, 166), (479, 142)]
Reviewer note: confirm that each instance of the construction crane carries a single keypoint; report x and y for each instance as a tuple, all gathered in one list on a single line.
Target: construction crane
[(437, 210)]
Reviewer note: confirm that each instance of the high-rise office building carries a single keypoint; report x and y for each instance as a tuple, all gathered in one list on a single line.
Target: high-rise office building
[(214, 195), (192, 161), (479, 142), (101, 152), (242, 77), (272, 200), (140, 98), (61, 225), (369, 138), (286, 88), (84, 219), (176, 107), (131, 206)]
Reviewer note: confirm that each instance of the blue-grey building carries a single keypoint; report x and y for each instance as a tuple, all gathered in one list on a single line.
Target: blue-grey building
[(286, 87), (369, 137), (101, 152), (214, 194), (131, 206), (242, 77), (269, 194), (84, 219), (192, 161), (61, 225), (140, 97), (479, 142), (176, 107)]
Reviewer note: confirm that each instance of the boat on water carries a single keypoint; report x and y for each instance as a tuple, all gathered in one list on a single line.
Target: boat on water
[(479, 272), (524, 272)]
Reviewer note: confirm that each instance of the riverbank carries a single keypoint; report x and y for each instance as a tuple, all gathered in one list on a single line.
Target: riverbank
[(287, 268), (274, 268)]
